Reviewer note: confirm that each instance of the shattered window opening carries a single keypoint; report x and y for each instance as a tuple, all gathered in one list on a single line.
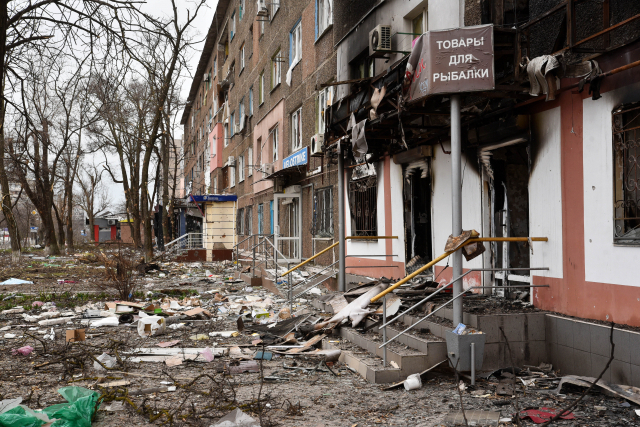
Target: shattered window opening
[(323, 213), (626, 175), (240, 222)]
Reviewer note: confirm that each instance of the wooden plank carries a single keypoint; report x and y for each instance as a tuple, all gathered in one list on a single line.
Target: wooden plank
[(307, 345)]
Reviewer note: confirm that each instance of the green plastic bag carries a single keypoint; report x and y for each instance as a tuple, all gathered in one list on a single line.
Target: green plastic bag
[(76, 413)]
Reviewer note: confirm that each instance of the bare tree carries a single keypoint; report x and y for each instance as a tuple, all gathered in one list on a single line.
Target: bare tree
[(93, 198)]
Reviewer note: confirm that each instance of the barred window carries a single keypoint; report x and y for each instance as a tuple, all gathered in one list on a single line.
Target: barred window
[(626, 175), (323, 213), (248, 223), (363, 201)]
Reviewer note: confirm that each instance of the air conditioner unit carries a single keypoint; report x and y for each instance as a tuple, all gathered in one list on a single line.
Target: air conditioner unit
[(380, 40), (293, 189), (231, 161), (111, 222), (262, 8), (207, 78), (317, 141), (267, 168)]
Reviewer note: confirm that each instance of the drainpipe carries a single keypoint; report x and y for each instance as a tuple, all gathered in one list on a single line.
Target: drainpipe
[(456, 203), (342, 229)]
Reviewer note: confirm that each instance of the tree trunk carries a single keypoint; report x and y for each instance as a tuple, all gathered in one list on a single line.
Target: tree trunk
[(165, 189), (60, 234), (69, 201), (4, 180)]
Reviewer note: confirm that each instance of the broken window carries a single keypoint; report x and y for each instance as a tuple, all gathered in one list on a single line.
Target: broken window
[(363, 201), (323, 213), (240, 222), (248, 223), (626, 175)]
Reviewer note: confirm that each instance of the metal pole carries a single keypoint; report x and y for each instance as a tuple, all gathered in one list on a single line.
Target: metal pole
[(341, 220), (384, 330), (290, 292), (473, 363), (456, 202)]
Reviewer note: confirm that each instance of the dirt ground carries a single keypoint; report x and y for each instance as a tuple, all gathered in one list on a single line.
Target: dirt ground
[(290, 391)]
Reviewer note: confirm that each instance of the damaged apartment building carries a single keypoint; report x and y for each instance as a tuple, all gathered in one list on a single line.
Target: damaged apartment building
[(550, 150)]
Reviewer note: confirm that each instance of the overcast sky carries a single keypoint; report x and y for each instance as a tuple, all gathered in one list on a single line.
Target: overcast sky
[(200, 27)]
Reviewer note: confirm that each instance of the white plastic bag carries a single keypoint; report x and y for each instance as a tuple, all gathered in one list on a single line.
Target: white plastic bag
[(108, 361), (152, 325)]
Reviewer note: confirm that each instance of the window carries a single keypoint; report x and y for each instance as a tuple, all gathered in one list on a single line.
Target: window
[(248, 220), (325, 99), (296, 129), (261, 89), (226, 134), (241, 10), (626, 175), (242, 57), (295, 44), (250, 161), (210, 75), (274, 143), (215, 66), (275, 6), (240, 222), (417, 26), (241, 113), (276, 67), (262, 27), (251, 101), (232, 176), (260, 218), (215, 185), (362, 66), (363, 203), (232, 26), (325, 15), (240, 168), (323, 213), (232, 123)]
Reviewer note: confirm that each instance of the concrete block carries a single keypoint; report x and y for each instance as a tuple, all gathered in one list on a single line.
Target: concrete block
[(388, 376), (600, 343), (582, 336), (622, 350), (635, 375), (490, 325), (634, 348), (597, 365), (564, 359), (581, 363), (564, 328), (437, 352), (550, 326), (535, 326), (492, 357), (620, 372)]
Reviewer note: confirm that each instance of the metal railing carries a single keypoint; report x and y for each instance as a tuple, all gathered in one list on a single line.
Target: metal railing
[(383, 294), (186, 241)]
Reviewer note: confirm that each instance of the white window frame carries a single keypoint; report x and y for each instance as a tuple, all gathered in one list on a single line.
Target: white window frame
[(241, 111), (296, 44), (226, 134), (232, 26), (325, 98), (240, 168), (232, 176), (215, 67), (242, 57), (276, 69), (275, 7), (325, 15), (261, 89), (232, 123), (241, 10), (215, 185), (251, 101), (274, 143), (296, 130), (250, 161)]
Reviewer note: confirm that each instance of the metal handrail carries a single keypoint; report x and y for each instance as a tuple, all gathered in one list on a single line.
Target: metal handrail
[(336, 244), (455, 298), (442, 288), (446, 254), (314, 276)]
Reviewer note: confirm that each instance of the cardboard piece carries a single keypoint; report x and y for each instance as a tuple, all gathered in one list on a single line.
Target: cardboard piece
[(74, 335)]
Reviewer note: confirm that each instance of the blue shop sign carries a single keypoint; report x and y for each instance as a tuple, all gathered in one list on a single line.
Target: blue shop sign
[(296, 159), (213, 198)]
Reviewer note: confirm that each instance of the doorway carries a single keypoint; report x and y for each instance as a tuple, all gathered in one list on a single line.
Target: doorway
[(417, 212), (287, 214)]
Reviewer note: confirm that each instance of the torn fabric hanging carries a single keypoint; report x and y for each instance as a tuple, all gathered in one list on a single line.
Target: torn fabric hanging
[(541, 78), (358, 140)]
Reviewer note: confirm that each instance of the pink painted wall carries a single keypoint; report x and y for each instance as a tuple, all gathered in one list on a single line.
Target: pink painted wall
[(216, 140), (264, 150)]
